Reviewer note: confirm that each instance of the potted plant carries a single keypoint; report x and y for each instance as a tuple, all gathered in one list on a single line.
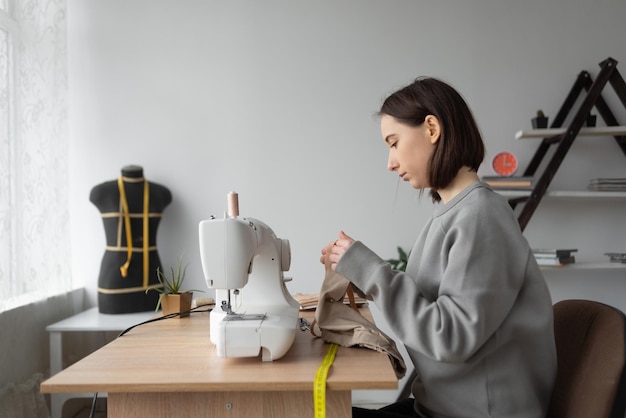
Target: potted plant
[(400, 262), (540, 121), (591, 120), (172, 298)]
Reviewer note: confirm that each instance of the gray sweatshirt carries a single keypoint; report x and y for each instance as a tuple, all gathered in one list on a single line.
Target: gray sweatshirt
[(473, 310)]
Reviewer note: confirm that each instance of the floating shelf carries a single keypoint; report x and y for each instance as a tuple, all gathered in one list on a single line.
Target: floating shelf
[(550, 132), (566, 194), (600, 265)]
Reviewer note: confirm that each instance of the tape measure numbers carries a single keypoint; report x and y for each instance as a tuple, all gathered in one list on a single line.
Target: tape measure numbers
[(319, 386)]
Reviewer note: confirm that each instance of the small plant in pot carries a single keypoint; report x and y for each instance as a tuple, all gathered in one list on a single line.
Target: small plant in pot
[(172, 298), (540, 121), (400, 262), (591, 120)]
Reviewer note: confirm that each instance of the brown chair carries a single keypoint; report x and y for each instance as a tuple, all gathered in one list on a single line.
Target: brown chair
[(591, 373), (591, 377)]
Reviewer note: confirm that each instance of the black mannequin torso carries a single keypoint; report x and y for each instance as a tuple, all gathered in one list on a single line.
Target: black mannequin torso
[(118, 294)]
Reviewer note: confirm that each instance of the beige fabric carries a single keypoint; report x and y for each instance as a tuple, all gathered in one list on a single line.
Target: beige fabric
[(336, 322)]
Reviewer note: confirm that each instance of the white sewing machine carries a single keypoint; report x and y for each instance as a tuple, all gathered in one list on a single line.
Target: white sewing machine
[(244, 261)]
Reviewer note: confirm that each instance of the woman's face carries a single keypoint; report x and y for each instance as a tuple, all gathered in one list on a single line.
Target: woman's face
[(410, 148)]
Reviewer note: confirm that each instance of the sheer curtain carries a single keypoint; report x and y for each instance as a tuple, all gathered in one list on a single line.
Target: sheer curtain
[(23, 400), (34, 224)]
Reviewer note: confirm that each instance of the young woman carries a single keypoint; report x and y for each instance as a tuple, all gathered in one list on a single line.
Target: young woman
[(472, 309)]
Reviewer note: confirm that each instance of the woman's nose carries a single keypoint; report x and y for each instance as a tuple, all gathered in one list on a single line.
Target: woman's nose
[(392, 164)]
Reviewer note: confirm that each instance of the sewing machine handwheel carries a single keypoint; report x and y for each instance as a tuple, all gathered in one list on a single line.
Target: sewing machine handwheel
[(285, 254)]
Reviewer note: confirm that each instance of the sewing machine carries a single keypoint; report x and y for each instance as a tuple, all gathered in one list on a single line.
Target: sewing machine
[(244, 261)]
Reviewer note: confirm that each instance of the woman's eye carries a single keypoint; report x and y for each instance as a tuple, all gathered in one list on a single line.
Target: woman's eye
[(394, 145)]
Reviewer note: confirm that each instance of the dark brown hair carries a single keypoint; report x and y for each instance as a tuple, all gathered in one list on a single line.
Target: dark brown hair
[(460, 144)]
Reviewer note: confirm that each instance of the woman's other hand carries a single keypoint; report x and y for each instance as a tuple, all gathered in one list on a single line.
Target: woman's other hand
[(332, 253)]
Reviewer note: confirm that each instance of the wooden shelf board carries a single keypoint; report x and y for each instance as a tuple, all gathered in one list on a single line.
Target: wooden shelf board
[(571, 194), (600, 265), (550, 132)]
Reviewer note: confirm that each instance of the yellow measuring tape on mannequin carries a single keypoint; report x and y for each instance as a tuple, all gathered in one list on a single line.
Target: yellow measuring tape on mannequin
[(129, 235), (319, 386), (146, 231)]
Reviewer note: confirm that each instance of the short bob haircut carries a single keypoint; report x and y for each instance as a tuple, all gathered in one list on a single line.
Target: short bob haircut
[(460, 144)]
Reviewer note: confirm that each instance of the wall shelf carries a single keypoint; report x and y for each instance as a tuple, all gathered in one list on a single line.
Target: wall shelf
[(550, 132), (599, 265), (563, 137), (565, 194)]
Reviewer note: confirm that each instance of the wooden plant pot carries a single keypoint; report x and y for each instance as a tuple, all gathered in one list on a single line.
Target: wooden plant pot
[(174, 303)]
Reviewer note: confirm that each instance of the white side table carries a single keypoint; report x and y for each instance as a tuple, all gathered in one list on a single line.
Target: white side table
[(90, 320)]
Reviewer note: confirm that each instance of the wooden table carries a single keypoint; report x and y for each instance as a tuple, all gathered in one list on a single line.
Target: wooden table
[(170, 369)]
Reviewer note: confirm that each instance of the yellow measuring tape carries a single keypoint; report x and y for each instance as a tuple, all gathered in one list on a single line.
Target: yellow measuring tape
[(319, 386), (129, 235)]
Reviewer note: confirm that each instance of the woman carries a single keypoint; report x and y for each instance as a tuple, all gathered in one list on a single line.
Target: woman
[(472, 309)]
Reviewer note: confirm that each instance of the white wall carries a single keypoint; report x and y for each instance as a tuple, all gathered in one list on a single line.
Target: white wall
[(276, 100)]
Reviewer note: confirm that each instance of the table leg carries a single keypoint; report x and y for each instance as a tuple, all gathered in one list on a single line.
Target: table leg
[(56, 365)]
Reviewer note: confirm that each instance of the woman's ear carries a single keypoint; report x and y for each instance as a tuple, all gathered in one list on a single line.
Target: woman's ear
[(434, 128)]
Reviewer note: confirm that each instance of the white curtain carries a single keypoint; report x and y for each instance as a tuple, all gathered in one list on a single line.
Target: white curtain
[(23, 400), (34, 234)]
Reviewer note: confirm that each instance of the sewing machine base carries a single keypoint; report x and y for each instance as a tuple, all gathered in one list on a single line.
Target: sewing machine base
[(270, 334)]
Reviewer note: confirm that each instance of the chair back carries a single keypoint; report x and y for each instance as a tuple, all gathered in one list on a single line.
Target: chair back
[(591, 377)]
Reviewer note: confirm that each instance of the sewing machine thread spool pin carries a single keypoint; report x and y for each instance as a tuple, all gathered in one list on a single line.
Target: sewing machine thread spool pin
[(233, 204)]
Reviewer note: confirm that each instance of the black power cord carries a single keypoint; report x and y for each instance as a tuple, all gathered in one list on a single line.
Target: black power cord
[(172, 315), (93, 405), (160, 318)]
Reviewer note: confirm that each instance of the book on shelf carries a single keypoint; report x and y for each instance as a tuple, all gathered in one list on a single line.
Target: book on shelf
[(554, 252), (555, 261), (554, 256), (616, 257), (503, 182), (607, 184)]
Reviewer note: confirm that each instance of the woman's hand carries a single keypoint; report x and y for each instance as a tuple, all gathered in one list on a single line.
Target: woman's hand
[(332, 253)]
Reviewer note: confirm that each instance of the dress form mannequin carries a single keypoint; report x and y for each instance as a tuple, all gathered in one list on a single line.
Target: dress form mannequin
[(118, 294)]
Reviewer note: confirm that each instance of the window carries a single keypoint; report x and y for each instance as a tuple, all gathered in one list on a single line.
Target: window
[(34, 224)]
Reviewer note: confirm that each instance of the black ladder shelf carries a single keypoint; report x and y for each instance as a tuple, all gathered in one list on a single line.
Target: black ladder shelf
[(593, 89)]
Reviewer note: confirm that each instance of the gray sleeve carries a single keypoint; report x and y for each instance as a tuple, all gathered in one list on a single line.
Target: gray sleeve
[(469, 278), (359, 264)]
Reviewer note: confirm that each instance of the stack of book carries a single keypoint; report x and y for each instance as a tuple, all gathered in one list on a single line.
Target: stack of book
[(616, 257), (604, 185), (509, 183), (554, 257)]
